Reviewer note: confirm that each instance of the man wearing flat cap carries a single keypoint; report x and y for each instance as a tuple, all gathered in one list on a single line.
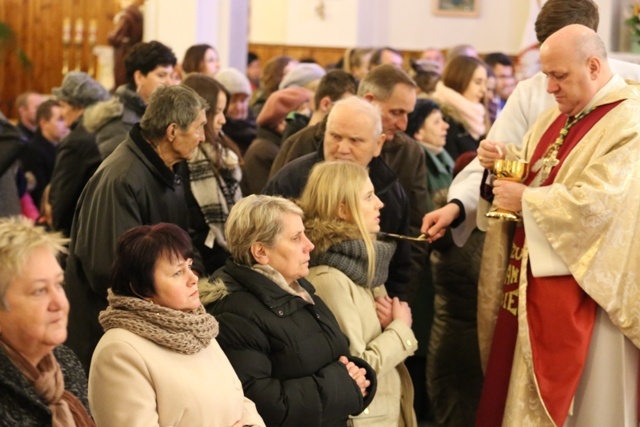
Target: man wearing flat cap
[(77, 157)]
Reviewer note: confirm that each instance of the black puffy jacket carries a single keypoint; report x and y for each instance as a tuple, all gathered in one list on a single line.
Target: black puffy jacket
[(285, 350)]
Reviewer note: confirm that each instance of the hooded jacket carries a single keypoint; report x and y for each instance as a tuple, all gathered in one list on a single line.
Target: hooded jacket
[(112, 120), (284, 349)]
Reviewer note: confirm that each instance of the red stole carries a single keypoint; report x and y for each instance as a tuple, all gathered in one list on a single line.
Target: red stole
[(560, 314)]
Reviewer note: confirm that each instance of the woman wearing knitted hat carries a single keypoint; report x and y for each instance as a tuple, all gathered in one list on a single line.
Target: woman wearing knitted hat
[(271, 123), (158, 362), (348, 269)]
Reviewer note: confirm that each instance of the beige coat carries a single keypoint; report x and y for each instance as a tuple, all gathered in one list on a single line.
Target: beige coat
[(135, 382), (385, 351)]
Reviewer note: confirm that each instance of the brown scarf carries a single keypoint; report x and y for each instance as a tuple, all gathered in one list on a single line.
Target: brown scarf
[(185, 332), (48, 382)]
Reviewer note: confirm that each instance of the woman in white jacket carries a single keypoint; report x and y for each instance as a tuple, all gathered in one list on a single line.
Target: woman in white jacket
[(349, 268), (158, 363)]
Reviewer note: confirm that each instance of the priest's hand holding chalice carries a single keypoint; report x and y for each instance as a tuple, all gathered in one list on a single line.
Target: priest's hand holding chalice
[(508, 172)]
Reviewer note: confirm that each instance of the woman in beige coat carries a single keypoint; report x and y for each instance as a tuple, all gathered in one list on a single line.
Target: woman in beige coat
[(349, 268), (158, 363)]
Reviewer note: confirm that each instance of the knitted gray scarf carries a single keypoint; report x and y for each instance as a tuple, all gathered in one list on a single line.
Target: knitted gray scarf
[(185, 332), (350, 257)]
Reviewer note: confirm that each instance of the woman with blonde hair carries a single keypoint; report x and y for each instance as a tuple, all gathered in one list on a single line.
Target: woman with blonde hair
[(41, 380), (348, 269), (282, 340)]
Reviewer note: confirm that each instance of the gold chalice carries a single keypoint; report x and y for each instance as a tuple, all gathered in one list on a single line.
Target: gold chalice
[(510, 170)]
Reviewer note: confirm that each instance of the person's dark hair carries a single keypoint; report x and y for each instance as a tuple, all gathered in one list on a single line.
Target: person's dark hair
[(376, 56), (251, 56), (556, 14), (335, 84), (382, 80), (273, 72), (458, 73), (422, 110), (145, 57), (209, 89), (495, 58), (427, 80), (194, 56), (137, 252), (45, 110), (170, 104)]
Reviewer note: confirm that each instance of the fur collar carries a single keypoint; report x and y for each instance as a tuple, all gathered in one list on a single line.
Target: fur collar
[(326, 233)]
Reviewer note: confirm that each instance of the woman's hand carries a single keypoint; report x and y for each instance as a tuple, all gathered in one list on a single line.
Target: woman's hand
[(384, 309), (489, 152), (358, 374), (401, 311), (508, 194)]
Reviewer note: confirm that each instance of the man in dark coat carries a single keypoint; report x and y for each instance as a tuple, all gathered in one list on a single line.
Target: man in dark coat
[(77, 157), (40, 154), (136, 185)]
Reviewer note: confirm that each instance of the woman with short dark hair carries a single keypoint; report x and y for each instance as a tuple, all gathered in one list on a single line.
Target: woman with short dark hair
[(158, 362)]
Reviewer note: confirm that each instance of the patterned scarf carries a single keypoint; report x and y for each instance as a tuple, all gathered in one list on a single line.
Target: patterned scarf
[(48, 382), (185, 332), (350, 257), (215, 189)]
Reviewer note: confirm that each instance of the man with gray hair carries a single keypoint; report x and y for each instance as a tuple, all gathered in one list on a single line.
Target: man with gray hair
[(136, 185), (354, 133)]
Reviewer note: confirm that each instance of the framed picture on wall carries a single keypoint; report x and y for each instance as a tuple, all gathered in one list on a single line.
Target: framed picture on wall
[(456, 7)]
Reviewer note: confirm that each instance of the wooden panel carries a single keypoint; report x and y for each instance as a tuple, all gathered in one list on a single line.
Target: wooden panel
[(324, 56), (38, 25)]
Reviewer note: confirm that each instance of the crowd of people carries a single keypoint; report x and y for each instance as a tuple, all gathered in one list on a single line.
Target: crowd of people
[(307, 245)]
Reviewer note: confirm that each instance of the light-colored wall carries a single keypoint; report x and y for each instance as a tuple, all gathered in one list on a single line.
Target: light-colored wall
[(403, 24)]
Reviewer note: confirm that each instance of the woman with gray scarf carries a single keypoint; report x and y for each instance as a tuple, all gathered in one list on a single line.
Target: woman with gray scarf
[(348, 269), (158, 362)]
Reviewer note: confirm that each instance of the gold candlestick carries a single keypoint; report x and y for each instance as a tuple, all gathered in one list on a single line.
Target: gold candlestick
[(66, 42), (78, 42)]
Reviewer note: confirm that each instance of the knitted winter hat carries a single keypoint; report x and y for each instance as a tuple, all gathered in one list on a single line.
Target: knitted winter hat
[(302, 74), (233, 81), (280, 103), (80, 89)]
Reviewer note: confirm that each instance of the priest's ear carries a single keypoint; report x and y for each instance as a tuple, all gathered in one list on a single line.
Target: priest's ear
[(595, 66)]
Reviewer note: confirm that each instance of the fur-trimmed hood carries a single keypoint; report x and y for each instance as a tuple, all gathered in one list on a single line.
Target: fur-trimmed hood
[(211, 290), (326, 233), (102, 113)]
